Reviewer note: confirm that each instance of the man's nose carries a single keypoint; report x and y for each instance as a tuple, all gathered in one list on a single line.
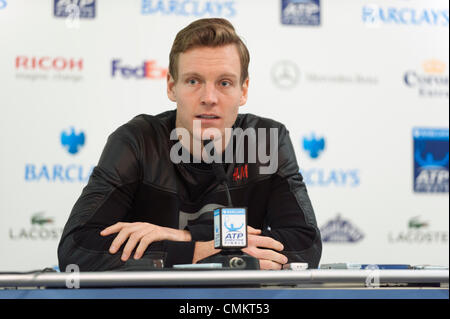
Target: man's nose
[(209, 95)]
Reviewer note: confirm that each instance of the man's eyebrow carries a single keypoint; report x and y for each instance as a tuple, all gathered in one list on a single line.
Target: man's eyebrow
[(188, 74), (228, 75), (195, 74)]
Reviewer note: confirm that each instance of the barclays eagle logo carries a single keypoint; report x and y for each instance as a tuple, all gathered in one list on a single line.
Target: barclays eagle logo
[(72, 142), (313, 145)]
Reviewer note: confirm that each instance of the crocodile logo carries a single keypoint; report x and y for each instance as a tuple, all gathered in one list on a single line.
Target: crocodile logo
[(39, 219)]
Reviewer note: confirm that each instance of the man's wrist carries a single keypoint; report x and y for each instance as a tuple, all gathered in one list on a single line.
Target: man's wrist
[(203, 249), (187, 235)]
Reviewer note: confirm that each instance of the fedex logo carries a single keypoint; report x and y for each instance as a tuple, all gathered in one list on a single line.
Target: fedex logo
[(148, 69)]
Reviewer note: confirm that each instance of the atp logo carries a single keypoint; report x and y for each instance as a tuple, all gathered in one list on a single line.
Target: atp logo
[(72, 141), (431, 160), (314, 145)]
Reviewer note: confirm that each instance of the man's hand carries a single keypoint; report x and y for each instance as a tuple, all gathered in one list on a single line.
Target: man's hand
[(142, 233), (268, 258)]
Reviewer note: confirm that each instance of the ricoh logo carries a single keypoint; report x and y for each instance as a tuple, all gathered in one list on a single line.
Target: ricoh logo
[(47, 63), (49, 68), (431, 81), (147, 70)]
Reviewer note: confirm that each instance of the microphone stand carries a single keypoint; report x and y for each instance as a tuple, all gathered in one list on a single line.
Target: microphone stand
[(229, 257)]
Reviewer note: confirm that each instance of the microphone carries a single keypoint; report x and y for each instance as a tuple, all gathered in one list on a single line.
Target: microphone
[(230, 229), (219, 171)]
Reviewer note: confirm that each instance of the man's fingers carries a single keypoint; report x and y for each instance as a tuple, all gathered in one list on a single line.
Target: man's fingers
[(143, 244), (253, 231), (133, 240), (269, 265), (265, 242), (267, 254), (121, 238), (113, 229)]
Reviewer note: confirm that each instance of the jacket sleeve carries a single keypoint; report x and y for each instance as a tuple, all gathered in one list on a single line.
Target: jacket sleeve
[(108, 199), (290, 217)]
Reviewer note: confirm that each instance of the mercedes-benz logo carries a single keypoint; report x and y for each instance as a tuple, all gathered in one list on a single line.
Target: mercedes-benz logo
[(285, 74)]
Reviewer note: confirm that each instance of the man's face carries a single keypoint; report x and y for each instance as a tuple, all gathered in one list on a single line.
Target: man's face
[(208, 89)]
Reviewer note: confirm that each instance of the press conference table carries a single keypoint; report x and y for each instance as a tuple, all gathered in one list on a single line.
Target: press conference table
[(221, 284)]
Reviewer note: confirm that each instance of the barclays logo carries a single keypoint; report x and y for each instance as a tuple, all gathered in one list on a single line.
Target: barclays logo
[(319, 177), (313, 145), (322, 177), (189, 8), (374, 15), (339, 230), (3, 4), (66, 173), (72, 142)]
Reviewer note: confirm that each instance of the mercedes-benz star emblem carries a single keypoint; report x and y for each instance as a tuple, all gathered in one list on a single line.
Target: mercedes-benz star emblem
[(285, 74)]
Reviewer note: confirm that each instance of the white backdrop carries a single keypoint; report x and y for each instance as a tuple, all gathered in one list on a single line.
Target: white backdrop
[(337, 72)]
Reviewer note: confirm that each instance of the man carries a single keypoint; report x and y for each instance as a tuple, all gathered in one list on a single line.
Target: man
[(142, 202)]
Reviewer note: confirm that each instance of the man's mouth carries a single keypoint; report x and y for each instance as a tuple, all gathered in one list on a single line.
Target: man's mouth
[(207, 116)]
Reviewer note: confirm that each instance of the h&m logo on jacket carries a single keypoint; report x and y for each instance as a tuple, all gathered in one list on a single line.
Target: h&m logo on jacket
[(240, 173)]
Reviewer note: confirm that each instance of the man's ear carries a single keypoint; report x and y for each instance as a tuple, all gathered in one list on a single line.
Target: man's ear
[(244, 95), (170, 88)]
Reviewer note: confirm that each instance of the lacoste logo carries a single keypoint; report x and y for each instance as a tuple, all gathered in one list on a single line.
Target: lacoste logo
[(415, 223), (39, 219)]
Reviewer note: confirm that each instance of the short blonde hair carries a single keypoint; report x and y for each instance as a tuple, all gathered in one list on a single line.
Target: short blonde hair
[(213, 32)]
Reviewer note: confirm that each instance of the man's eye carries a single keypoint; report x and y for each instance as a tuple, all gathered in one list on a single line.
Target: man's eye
[(225, 83), (192, 81)]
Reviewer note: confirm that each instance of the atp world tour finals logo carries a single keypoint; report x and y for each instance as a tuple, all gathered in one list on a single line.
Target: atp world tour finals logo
[(300, 12), (431, 160)]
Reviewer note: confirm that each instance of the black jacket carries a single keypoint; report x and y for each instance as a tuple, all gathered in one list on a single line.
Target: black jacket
[(135, 180)]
